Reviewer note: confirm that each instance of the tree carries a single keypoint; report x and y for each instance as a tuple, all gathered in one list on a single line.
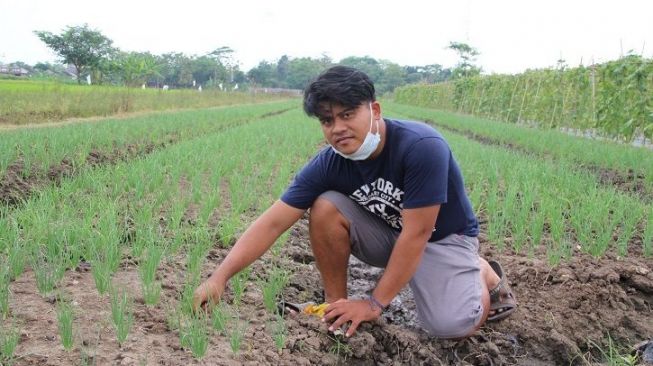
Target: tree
[(80, 46), (302, 70), (185, 76), (171, 67), (467, 55), (223, 55), (224, 64), (50, 70), (392, 77), (42, 66), (263, 74), (135, 68), (207, 70), (282, 71), (366, 64)]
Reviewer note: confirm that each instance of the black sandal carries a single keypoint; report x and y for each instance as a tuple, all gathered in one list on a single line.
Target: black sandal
[(502, 299)]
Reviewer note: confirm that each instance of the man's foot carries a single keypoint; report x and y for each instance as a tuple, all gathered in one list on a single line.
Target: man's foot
[(502, 300)]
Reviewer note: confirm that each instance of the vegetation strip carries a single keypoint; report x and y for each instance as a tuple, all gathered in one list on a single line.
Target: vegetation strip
[(632, 184), (18, 181)]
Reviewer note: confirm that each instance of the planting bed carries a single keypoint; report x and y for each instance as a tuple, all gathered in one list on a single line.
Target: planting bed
[(562, 311)]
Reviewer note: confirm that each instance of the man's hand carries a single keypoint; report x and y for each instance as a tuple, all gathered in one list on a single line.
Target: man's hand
[(208, 292), (354, 311)]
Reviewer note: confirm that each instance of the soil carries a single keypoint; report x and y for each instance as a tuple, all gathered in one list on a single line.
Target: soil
[(565, 314)]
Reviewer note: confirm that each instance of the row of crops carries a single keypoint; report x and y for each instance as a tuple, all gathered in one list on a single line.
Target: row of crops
[(615, 98), (40, 148), (166, 211)]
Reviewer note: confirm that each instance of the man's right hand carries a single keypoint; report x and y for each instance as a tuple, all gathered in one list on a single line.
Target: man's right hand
[(209, 292), (255, 241)]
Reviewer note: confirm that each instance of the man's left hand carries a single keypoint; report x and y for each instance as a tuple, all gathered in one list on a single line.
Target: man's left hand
[(354, 311)]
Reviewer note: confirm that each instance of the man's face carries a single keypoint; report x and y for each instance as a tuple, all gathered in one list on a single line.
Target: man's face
[(345, 128)]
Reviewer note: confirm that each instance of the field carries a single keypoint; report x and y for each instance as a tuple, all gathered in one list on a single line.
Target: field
[(31, 102), (107, 227)]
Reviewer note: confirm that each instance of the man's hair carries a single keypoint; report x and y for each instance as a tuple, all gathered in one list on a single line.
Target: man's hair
[(343, 85)]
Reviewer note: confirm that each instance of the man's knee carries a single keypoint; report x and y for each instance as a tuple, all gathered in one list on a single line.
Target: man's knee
[(450, 326), (447, 321), (324, 213)]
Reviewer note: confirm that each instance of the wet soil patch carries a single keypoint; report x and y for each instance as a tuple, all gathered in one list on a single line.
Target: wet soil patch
[(564, 312), (628, 182)]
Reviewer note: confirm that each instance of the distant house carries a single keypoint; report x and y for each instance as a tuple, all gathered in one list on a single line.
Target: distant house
[(71, 71), (13, 70)]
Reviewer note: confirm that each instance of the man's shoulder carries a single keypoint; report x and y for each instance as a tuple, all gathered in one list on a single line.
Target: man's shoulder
[(412, 129), (325, 154), (408, 134)]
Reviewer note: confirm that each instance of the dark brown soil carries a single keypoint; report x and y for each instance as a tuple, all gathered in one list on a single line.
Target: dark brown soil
[(275, 113), (562, 310), (18, 183), (14, 184)]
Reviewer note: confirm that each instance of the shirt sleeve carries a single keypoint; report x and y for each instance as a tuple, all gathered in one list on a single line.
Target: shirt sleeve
[(427, 173), (308, 184)]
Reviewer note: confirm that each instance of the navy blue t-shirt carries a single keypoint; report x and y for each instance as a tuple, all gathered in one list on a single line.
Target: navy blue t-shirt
[(415, 169)]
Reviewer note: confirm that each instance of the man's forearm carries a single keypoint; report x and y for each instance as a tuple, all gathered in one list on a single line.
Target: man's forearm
[(403, 262)]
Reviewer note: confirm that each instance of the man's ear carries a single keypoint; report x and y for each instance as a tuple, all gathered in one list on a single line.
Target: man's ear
[(376, 109)]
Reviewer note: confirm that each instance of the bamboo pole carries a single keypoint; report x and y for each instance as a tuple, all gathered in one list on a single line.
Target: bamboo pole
[(523, 100), (593, 83), (512, 97)]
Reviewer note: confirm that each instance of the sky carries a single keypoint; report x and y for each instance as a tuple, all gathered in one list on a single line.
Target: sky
[(510, 35)]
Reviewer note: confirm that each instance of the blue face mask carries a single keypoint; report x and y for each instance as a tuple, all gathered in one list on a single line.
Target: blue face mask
[(368, 146)]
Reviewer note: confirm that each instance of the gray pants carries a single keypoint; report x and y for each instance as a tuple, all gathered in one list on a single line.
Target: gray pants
[(446, 285)]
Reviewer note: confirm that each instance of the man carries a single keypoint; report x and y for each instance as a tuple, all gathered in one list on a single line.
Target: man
[(390, 193)]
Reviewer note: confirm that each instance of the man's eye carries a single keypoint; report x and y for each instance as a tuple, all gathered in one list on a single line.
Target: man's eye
[(325, 121), (347, 115)]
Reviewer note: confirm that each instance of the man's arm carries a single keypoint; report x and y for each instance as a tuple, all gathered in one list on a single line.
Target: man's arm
[(407, 253), (404, 260), (256, 240)]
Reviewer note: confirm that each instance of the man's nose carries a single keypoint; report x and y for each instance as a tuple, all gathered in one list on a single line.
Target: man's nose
[(339, 125)]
